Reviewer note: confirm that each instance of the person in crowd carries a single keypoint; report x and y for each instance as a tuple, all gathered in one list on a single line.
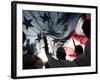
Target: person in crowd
[(78, 50), (61, 62), (84, 59), (61, 55), (32, 62)]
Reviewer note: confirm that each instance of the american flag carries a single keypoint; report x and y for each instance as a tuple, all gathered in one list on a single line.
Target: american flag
[(57, 27)]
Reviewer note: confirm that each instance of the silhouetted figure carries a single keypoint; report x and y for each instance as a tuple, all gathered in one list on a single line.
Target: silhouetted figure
[(24, 37), (61, 62), (29, 48), (85, 59), (87, 28), (78, 49), (26, 47), (61, 55), (46, 45), (32, 62)]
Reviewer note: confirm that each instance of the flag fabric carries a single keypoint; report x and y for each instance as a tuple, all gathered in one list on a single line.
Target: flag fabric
[(55, 26), (79, 38)]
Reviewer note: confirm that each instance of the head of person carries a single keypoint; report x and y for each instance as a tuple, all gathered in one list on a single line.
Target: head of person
[(87, 28), (61, 55), (32, 62), (78, 50)]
